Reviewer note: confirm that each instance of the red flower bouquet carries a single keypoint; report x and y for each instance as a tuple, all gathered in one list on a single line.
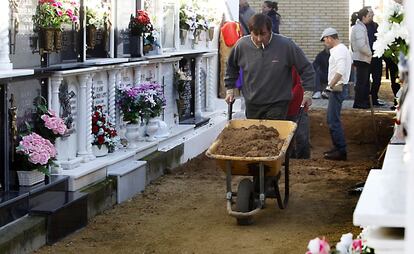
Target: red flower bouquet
[(140, 24), (103, 131)]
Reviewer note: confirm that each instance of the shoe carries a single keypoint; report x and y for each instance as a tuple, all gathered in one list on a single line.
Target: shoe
[(316, 95), (336, 156), (360, 106), (325, 95), (378, 104), (330, 151)]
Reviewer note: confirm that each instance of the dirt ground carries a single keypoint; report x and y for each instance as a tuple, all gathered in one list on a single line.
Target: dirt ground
[(184, 212)]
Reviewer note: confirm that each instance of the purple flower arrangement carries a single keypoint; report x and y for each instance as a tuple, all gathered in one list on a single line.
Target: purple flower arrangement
[(152, 100), (144, 101)]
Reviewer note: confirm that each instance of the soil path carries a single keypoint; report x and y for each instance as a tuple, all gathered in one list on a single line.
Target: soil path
[(184, 212)]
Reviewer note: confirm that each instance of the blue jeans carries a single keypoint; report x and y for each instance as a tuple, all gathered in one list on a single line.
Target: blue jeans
[(334, 118)]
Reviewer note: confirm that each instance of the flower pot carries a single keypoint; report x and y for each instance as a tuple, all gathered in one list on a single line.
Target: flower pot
[(99, 152), (147, 48), (142, 130), (58, 39), (211, 33), (47, 39), (152, 128), (183, 36), (196, 37), (135, 46), (29, 178), (91, 36), (132, 134)]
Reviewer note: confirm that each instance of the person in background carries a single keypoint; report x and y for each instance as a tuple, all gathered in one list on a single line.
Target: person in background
[(320, 65), (300, 143), (393, 75), (266, 60), (339, 71), (376, 62), (270, 8), (245, 13), (361, 55)]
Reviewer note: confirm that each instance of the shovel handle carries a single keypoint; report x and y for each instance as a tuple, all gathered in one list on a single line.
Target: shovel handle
[(230, 110)]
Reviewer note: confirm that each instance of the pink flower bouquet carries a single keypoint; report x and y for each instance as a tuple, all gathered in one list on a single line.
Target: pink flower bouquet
[(47, 123), (37, 151)]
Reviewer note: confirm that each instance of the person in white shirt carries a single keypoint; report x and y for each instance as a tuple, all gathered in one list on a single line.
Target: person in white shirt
[(339, 70)]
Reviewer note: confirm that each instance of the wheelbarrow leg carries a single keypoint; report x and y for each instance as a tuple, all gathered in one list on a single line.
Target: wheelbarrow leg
[(283, 203), (262, 184), (228, 181)]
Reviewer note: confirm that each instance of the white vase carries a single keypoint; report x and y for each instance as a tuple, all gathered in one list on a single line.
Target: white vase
[(29, 178), (132, 134), (142, 129), (152, 128), (183, 36), (99, 152)]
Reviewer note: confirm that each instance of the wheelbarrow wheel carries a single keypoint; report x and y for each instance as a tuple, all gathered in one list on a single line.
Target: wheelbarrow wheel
[(245, 200)]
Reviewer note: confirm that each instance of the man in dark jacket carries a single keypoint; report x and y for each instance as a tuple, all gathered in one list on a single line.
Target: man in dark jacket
[(266, 60), (245, 13)]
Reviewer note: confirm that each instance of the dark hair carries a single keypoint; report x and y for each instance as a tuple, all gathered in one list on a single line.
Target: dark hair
[(363, 12), (258, 21), (354, 17), (333, 36), (272, 5)]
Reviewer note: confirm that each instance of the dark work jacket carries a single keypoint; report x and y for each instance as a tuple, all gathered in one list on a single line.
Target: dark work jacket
[(275, 17), (372, 29), (321, 64)]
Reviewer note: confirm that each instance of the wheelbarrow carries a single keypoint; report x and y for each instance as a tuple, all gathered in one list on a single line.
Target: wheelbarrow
[(266, 172)]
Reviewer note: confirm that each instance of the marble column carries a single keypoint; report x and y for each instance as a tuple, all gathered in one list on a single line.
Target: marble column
[(137, 75), (112, 93), (5, 63), (209, 84), (197, 88), (55, 82), (82, 130), (88, 118)]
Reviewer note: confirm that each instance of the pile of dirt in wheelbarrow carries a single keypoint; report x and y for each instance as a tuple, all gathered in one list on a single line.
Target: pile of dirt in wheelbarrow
[(254, 141)]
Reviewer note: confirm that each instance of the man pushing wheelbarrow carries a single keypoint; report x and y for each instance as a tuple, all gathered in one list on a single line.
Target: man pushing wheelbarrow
[(266, 60)]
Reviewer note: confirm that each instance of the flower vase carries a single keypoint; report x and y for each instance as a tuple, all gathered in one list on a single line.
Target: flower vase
[(29, 178), (132, 134), (100, 152), (147, 48), (135, 46), (57, 39), (142, 130), (211, 33), (183, 36), (152, 128), (91, 36), (47, 39), (196, 36)]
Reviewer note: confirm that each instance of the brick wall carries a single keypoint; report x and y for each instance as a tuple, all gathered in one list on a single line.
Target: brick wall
[(304, 21)]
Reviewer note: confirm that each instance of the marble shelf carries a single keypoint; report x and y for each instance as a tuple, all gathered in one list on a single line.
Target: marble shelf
[(383, 200), (7, 74), (394, 158)]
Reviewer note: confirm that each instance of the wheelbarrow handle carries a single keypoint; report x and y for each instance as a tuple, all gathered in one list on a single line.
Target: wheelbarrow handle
[(300, 113), (230, 110)]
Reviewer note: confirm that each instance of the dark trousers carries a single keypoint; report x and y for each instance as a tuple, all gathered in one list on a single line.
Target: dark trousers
[(376, 74), (362, 84), (300, 143), (272, 111), (333, 116), (393, 68)]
